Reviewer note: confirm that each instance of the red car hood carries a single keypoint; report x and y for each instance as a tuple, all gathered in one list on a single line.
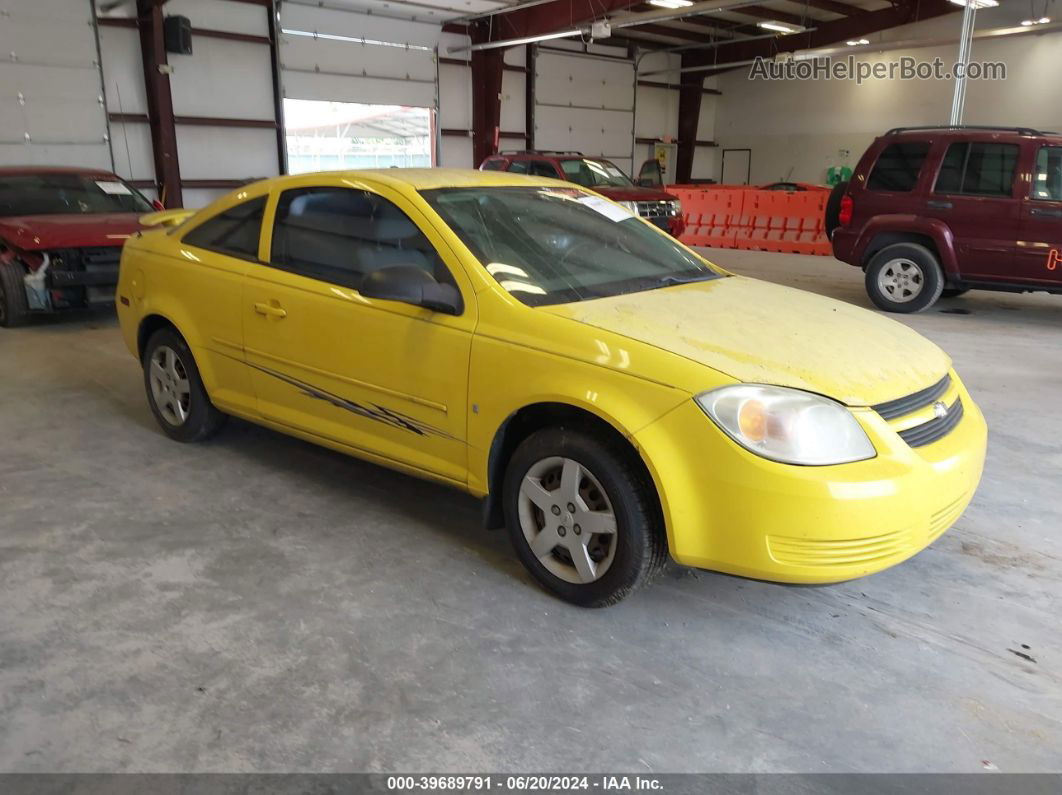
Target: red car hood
[(635, 194), (35, 232)]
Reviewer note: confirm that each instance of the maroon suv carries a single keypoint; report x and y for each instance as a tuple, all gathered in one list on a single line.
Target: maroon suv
[(941, 210), (600, 175)]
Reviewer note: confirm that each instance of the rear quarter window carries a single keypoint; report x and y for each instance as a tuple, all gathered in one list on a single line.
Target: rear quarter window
[(493, 165), (898, 167)]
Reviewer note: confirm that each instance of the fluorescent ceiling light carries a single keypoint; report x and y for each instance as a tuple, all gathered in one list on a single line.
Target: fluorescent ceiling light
[(1040, 21), (857, 42), (976, 3), (671, 3), (778, 26)]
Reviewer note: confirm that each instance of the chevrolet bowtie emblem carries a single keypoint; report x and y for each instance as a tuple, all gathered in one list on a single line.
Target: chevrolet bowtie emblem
[(940, 409)]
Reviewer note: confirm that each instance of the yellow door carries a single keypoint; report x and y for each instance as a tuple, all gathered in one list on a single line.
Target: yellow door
[(384, 377)]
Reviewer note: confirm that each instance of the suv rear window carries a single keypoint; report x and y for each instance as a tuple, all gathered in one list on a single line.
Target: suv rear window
[(898, 166), (981, 169), (493, 165)]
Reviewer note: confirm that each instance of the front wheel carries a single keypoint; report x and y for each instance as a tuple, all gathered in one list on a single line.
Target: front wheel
[(582, 516), (175, 391), (904, 277)]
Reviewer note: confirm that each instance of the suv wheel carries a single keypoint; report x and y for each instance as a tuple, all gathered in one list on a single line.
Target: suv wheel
[(581, 517), (904, 277), (13, 307), (175, 391)]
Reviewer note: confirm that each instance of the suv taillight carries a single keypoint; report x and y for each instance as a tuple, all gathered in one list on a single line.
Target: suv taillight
[(844, 216)]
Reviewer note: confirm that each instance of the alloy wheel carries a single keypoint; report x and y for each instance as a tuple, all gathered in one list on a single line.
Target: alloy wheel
[(567, 520), (901, 280), (170, 387)]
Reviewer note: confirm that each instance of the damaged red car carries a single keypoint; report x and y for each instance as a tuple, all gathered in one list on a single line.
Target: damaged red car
[(61, 236)]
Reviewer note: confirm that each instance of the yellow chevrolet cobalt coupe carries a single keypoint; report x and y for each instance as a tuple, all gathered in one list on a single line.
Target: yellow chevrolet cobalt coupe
[(613, 397)]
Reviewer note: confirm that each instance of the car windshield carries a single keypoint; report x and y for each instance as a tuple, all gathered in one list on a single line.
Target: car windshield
[(66, 194), (595, 174), (556, 245)]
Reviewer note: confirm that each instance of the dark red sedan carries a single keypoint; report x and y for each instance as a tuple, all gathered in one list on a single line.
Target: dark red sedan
[(61, 236)]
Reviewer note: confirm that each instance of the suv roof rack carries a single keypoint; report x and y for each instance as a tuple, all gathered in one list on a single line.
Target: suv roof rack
[(1019, 130), (541, 152)]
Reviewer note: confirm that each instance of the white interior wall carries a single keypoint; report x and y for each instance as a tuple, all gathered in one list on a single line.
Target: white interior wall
[(797, 129), (52, 111)]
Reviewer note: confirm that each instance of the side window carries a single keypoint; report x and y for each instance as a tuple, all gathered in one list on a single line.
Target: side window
[(898, 167), (978, 169), (338, 235), (1047, 176), (495, 164), (518, 166), (234, 231), (542, 168)]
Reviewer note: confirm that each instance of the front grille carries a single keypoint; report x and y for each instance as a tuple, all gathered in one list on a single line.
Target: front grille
[(843, 552), (929, 432), (661, 209), (913, 402)]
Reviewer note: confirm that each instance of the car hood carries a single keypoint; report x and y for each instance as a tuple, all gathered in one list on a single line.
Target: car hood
[(35, 232), (635, 194), (763, 333)]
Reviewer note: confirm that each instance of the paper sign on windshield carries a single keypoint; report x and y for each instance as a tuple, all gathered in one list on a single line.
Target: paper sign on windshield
[(612, 212), (114, 188)]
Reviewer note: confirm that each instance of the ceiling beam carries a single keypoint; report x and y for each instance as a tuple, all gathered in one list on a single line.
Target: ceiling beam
[(834, 7), (825, 33), (762, 12)]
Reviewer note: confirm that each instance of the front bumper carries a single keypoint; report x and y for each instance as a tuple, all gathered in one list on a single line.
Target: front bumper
[(731, 511)]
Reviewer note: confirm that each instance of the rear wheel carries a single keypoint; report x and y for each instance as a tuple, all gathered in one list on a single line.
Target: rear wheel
[(13, 307), (581, 517), (904, 277), (175, 391)]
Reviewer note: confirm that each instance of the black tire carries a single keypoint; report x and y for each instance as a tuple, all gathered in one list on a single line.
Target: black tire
[(832, 216), (13, 307), (953, 292), (639, 545), (921, 269), (202, 420)]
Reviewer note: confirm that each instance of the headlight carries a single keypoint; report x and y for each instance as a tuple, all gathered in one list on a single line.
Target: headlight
[(675, 207), (631, 207), (787, 425)]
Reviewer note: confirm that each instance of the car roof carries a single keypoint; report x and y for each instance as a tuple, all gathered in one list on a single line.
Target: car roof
[(21, 171), (431, 178)]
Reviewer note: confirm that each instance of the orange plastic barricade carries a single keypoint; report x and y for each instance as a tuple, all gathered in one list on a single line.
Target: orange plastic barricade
[(762, 220)]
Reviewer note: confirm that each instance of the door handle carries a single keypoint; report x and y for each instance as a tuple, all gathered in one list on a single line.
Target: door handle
[(936, 204), (269, 310), (1045, 212)]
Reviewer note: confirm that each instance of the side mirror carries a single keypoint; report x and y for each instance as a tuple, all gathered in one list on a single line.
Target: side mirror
[(409, 284), (158, 205)]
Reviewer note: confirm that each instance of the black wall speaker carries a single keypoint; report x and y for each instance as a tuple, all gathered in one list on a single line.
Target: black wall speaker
[(177, 34)]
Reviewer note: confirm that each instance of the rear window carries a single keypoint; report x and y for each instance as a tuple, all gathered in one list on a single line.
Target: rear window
[(898, 166), (980, 169), (493, 165)]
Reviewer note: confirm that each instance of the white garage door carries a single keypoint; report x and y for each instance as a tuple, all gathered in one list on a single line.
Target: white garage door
[(585, 103), (343, 56), (52, 104)]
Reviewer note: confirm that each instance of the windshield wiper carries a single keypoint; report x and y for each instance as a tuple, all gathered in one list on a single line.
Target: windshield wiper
[(671, 279)]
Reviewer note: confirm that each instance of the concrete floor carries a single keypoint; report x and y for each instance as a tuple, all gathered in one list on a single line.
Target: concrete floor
[(257, 603)]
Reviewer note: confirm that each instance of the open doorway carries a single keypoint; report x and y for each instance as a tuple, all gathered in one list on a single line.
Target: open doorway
[(324, 136)]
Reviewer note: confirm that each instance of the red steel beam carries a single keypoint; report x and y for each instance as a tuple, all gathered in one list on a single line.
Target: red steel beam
[(159, 103)]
